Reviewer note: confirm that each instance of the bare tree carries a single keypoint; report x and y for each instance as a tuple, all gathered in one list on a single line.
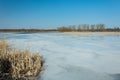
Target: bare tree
[(87, 27), (92, 27), (73, 28), (102, 27), (79, 28)]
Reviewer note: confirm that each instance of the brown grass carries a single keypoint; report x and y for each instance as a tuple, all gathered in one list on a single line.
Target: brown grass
[(18, 64)]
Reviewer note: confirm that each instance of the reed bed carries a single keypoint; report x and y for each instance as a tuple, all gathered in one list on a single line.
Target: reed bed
[(18, 64)]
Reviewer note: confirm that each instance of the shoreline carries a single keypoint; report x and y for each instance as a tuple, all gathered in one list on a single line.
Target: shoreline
[(91, 32), (70, 32)]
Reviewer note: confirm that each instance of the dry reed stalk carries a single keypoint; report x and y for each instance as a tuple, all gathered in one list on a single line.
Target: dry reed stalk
[(19, 63)]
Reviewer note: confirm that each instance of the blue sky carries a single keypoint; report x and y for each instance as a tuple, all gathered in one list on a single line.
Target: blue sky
[(55, 13)]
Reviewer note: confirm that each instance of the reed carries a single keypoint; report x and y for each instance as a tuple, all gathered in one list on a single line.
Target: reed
[(18, 64)]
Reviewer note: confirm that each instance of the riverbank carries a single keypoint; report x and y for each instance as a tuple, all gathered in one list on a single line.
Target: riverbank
[(91, 32)]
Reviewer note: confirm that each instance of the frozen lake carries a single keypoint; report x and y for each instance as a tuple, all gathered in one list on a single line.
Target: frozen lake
[(73, 56)]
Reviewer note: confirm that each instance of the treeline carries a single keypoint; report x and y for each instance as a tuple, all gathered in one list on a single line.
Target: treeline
[(80, 28), (87, 27), (27, 30)]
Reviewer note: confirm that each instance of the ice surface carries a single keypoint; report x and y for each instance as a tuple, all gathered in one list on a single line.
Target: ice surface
[(73, 56)]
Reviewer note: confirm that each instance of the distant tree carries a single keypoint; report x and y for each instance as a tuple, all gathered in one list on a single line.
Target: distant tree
[(118, 29), (84, 27), (70, 28), (73, 28), (102, 27), (98, 27), (92, 27), (87, 27), (63, 28), (79, 28)]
